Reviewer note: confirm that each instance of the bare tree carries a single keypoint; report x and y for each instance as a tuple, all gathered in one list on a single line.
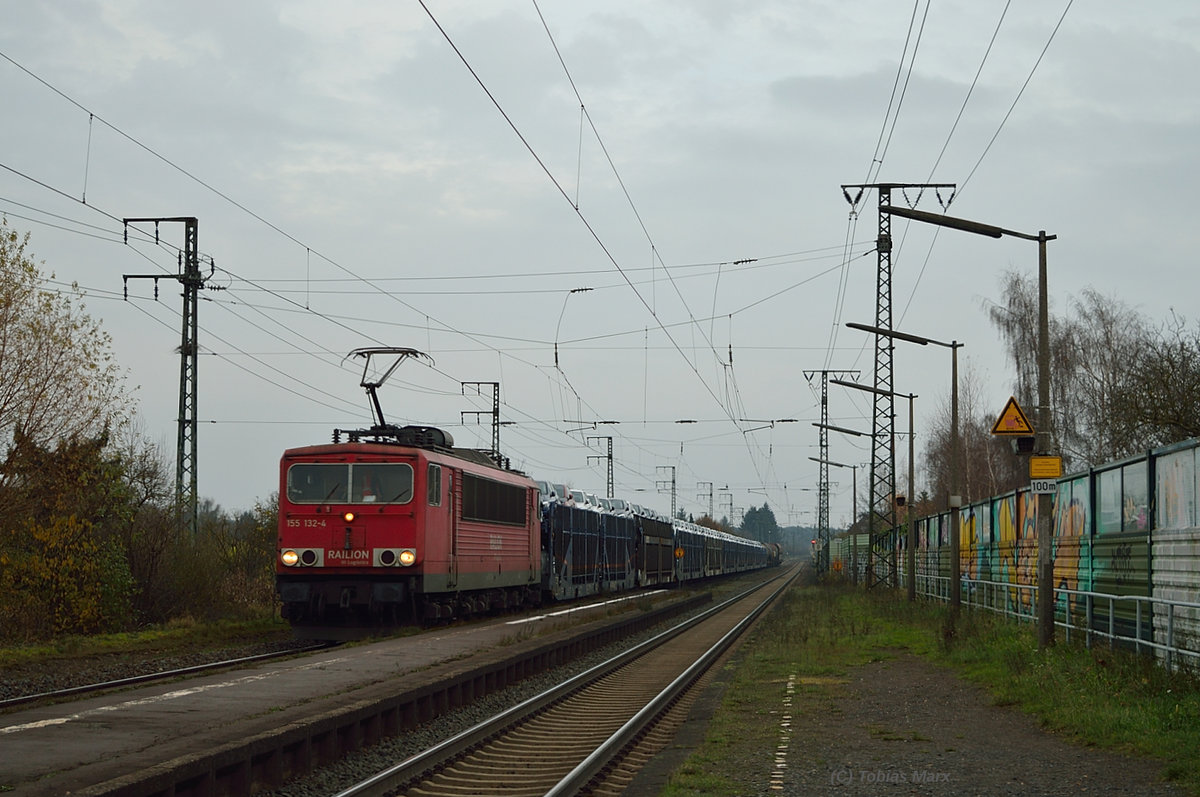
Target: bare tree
[(1091, 355), (1118, 386), (1016, 318), (58, 377), (1161, 397), (1101, 343), (988, 464)]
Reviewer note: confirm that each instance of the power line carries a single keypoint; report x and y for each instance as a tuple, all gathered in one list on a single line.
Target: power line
[(1017, 99), (966, 99), (587, 225), (725, 404)]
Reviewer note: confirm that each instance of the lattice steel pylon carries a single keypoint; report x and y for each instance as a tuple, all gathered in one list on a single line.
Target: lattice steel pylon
[(608, 458), (189, 276), (662, 484), (823, 475), (883, 566), (497, 457), (710, 497)]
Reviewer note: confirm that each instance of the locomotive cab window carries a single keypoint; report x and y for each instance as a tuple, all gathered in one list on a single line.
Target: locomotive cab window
[(314, 483), (381, 483), (433, 480), (358, 483)]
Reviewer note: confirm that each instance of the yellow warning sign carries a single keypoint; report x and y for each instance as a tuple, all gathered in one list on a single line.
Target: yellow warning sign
[(1045, 467), (1012, 420)]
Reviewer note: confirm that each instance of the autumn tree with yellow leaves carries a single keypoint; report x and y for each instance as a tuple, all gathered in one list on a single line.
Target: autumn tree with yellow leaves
[(88, 538), (60, 394)]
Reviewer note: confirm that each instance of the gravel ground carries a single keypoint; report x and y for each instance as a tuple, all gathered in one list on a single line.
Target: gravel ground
[(906, 726)]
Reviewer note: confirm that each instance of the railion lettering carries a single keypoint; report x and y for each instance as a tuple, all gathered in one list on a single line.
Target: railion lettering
[(354, 556)]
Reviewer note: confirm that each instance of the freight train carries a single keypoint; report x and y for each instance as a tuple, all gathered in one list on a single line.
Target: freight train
[(395, 525)]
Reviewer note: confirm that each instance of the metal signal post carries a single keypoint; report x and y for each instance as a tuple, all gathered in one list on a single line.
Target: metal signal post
[(709, 485), (954, 499), (910, 562)]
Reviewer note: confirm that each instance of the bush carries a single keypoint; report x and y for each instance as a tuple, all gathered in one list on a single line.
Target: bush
[(56, 579)]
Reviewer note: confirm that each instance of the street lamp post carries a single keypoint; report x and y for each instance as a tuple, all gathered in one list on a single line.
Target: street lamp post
[(1043, 441), (910, 559), (955, 497), (911, 553), (853, 513)]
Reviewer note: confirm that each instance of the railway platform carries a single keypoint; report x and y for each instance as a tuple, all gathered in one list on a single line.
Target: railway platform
[(260, 724)]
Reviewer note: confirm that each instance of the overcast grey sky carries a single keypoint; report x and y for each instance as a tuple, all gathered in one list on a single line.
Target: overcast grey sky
[(362, 178)]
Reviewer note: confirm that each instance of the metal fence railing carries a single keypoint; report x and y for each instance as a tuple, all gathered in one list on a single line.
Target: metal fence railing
[(1144, 624)]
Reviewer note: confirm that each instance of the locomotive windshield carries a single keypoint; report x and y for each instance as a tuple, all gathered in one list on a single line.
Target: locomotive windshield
[(355, 483)]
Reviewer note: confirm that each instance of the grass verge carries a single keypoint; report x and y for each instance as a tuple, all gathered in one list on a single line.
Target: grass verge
[(177, 637), (1109, 699)]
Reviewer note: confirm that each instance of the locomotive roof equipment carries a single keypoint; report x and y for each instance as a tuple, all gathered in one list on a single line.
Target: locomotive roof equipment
[(382, 431)]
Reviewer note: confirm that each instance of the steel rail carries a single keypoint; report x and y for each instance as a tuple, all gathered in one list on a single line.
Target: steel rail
[(610, 749), (412, 768)]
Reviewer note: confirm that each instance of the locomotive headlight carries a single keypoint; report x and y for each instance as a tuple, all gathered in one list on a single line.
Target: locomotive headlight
[(348, 517), (289, 558), (407, 557)]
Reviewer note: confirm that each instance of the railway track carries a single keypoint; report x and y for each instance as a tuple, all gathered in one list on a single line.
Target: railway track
[(151, 677), (325, 642), (574, 737), (244, 730)]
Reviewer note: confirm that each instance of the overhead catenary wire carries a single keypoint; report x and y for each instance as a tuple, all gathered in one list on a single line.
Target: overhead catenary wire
[(649, 306), (876, 162), (249, 296), (296, 306), (945, 145), (655, 256), (995, 135), (730, 389), (896, 102), (562, 191), (1017, 98), (309, 250), (258, 375), (882, 144)]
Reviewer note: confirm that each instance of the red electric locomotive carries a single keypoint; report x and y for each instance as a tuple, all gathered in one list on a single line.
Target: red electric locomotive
[(395, 526), (398, 526)]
